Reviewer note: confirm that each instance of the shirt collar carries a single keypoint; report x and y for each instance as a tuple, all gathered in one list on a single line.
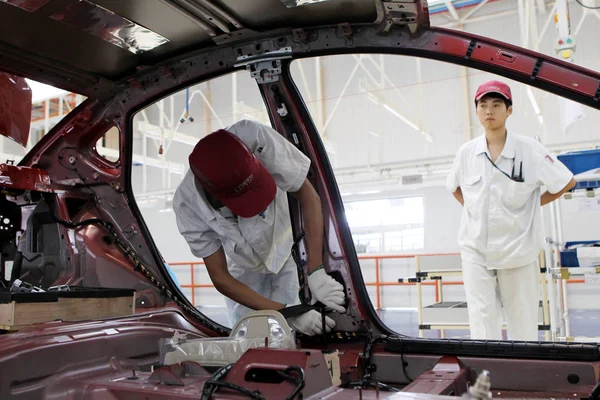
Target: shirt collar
[(481, 145), (509, 147), (507, 152)]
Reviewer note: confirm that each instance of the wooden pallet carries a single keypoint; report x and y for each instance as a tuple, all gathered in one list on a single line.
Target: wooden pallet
[(15, 316)]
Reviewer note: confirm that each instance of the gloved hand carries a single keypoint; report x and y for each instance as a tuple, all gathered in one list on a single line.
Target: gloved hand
[(326, 290), (310, 323)]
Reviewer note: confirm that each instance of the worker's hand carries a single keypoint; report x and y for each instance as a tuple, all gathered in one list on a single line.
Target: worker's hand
[(310, 323), (326, 290)]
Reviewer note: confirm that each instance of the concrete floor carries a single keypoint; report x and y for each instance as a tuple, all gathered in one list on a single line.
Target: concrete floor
[(584, 323)]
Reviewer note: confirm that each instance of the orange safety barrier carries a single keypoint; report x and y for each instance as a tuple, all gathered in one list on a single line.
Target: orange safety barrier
[(40, 112), (378, 284)]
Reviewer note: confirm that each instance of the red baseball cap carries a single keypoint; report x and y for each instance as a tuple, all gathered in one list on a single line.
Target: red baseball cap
[(228, 169), (493, 87)]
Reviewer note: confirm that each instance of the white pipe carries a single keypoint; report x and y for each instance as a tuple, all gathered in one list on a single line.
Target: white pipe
[(556, 252), (339, 99), (553, 308), (565, 296), (391, 83), (541, 5), (480, 19), (171, 111), (474, 10), (522, 24), (212, 110), (320, 95), (581, 21), (307, 92), (451, 9), (545, 28), (420, 84)]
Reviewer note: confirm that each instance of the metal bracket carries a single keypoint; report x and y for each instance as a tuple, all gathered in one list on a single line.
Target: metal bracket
[(536, 68), (265, 68), (344, 29), (396, 12), (299, 35), (470, 49)]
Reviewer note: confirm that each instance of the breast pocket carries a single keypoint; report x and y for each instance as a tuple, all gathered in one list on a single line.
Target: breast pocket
[(515, 194), (471, 189)]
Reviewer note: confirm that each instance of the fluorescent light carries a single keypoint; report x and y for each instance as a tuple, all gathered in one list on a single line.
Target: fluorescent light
[(395, 113), (401, 117), (373, 98), (534, 103), (346, 194), (370, 192), (374, 134)]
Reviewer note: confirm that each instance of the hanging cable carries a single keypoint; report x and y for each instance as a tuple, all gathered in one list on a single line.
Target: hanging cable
[(299, 381), (588, 7)]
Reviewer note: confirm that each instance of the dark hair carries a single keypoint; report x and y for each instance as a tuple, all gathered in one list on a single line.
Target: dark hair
[(494, 95)]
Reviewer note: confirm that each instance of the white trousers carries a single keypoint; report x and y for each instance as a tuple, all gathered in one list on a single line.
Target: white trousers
[(488, 291), (281, 287)]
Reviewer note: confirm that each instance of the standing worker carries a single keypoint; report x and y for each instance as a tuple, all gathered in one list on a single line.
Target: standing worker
[(232, 209), (497, 177)]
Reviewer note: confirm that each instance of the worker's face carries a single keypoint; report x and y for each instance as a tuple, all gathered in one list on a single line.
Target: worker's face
[(492, 112)]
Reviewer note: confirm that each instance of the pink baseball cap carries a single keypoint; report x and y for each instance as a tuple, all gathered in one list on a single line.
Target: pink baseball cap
[(228, 169), (493, 87)]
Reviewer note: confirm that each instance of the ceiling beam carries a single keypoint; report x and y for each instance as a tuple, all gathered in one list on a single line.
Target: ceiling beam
[(541, 6), (451, 9)]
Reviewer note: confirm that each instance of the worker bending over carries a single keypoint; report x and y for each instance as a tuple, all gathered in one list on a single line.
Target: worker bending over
[(232, 210)]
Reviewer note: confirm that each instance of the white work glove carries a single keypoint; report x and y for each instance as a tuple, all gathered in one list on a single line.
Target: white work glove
[(326, 290), (310, 323)]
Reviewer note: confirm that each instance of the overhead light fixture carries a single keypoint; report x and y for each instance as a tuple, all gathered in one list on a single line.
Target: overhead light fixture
[(370, 192), (534, 104), (375, 99), (401, 117)]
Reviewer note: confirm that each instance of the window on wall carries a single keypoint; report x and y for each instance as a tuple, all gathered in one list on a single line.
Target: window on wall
[(387, 225)]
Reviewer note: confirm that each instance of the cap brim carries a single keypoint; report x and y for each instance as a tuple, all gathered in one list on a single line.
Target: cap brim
[(261, 193), (491, 91)]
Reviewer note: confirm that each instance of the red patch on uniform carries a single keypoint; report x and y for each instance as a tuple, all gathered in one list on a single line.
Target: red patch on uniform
[(550, 159)]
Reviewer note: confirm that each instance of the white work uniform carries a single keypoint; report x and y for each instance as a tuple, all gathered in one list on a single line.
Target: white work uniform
[(258, 249), (501, 232)]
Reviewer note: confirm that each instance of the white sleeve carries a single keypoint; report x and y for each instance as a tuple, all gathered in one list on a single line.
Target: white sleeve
[(453, 178), (202, 240), (553, 173), (288, 165)]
